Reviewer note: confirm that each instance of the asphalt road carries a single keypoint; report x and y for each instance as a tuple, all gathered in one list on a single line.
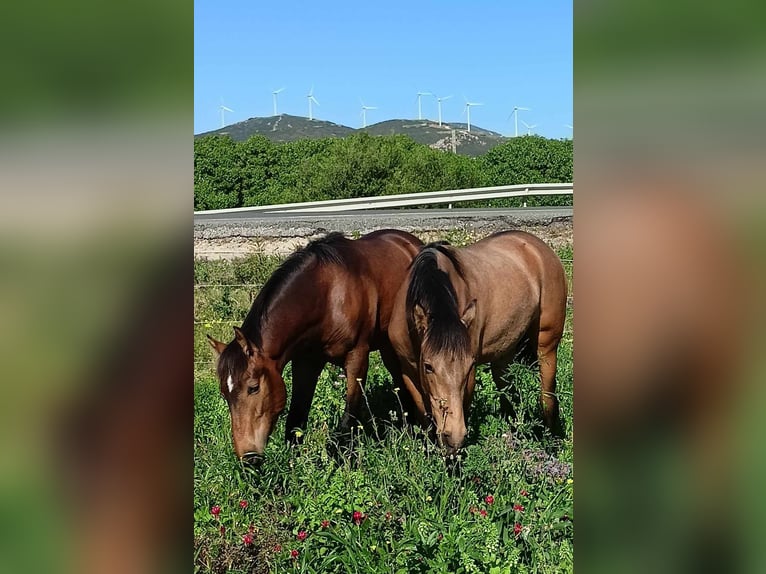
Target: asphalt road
[(526, 215), (229, 235)]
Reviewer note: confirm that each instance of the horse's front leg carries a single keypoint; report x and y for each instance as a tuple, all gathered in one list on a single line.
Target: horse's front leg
[(306, 371), (406, 389), (356, 365)]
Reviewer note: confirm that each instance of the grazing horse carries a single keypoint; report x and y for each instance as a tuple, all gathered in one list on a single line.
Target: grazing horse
[(497, 300), (328, 302)]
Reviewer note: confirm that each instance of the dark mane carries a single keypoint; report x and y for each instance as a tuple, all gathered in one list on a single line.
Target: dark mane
[(327, 250), (431, 288)]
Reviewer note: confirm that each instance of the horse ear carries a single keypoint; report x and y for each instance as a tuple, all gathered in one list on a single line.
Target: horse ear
[(421, 319), (247, 347), (218, 347), (469, 314)]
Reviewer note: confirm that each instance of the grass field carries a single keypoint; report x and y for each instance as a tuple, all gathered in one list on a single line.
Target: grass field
[(391, 505)]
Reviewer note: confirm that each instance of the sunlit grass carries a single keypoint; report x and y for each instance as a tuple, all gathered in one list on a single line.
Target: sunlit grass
[(418, 514)]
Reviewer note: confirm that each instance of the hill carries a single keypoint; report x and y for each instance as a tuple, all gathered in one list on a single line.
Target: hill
[(476, 142), (284, 128)]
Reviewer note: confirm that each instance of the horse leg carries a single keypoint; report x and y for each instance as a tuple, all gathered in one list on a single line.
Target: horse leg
[(305, 374), (509, 393), (547, 347), (356, 375), (419, 413), (391, 361)]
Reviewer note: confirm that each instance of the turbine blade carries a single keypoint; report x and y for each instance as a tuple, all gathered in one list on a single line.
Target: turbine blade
[(314, 100)]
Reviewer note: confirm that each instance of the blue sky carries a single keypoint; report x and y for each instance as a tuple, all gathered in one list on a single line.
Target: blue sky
[(500, 53)]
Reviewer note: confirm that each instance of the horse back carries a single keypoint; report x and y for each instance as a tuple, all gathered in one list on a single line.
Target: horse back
[(518, 281), (360, 293), (388, 253)]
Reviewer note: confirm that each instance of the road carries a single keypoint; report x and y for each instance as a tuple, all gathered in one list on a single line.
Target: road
[(236, 234), (367, 217)]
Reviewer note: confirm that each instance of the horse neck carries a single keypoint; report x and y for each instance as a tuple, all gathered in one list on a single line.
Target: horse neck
[(282, 323), (457, 280)]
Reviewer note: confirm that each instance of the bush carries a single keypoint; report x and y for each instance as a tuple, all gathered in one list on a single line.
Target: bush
[(258, 172)]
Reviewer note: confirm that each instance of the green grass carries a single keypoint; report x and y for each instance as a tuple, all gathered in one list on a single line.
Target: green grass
[(420, 516)]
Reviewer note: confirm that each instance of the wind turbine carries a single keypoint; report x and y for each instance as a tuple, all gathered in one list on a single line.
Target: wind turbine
[(439, 104), (311, 98), (468, 111), (515, 114), (223, 110), (364, 113), (529, 128), (274, 93), (420, 115)]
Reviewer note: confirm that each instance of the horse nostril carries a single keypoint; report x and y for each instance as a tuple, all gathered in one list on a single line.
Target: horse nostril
[(252, 458)]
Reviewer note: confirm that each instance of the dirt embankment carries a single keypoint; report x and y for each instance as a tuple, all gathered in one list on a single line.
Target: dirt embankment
[(232, 239)]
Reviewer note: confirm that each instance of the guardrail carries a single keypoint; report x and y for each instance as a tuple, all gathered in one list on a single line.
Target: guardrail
[(405, 199)]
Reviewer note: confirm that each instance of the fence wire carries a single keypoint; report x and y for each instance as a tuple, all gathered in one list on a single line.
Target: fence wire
[(199, 287)]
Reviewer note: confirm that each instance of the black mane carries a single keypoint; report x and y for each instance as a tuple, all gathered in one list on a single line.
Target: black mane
[(431, 288), (326, 250)]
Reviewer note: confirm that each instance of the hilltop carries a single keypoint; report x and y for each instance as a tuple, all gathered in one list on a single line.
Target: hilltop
[(430, 133), (285, 128), (282, 128)]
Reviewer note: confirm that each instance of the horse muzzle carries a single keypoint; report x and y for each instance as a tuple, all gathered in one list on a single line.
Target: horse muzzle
[(450, 442), (252, 458)]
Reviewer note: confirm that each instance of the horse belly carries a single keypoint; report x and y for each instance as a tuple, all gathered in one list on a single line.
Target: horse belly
[(499, 343)]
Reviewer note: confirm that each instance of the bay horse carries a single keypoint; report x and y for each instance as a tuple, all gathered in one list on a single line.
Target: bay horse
[(498, 300), (328, 302)]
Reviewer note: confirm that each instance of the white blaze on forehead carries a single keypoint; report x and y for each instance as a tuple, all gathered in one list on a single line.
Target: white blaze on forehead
[(230, 383)]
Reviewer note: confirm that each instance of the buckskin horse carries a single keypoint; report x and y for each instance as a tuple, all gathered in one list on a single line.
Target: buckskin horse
[(328, 302), (498, 300)]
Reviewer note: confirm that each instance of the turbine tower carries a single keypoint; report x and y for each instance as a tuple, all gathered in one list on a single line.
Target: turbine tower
[(439, 105), (274, 94), (529, 128), (311, 98), (364, 113), (420, 94), (467, 111), (515, 114), (224, 109)]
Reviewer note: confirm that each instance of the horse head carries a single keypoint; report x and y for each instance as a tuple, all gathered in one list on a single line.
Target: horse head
[(446, 367), (253, 388)]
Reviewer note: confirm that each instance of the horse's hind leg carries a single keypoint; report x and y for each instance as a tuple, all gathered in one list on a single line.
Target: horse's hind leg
[(547, 347), (356, 375), (306, 371), (509, 393)]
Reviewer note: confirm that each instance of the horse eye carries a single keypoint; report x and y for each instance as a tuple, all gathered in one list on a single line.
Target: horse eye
[(428, 368), (253, 389)]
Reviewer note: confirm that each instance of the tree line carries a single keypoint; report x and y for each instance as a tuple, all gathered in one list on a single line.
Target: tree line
[(261, 172)]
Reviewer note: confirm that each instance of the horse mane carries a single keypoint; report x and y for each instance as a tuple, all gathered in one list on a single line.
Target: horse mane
[(326, 250), (431, 288)]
